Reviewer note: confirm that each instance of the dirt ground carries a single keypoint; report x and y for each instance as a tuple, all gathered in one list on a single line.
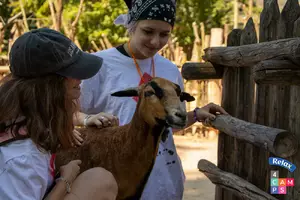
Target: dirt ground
[(191, 150)]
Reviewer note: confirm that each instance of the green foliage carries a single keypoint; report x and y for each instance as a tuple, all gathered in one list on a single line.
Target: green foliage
[(97, 20), (5, 10), (213, 13), (97, 17)]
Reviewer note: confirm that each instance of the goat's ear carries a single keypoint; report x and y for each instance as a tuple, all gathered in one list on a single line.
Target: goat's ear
[(186, 97), (132, 92)]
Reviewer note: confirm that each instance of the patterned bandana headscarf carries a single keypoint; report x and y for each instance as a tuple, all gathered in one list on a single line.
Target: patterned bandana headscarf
[(163, 10)]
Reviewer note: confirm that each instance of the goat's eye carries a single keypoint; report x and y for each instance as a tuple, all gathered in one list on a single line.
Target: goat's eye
[(148, 93), (159, 94)]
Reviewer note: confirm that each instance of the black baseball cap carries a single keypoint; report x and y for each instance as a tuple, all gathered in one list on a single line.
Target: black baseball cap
[(45, 51)]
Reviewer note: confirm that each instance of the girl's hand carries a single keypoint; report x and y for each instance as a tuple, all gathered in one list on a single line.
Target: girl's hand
[(77, 138), (210, 111), (102, 120), (71, 170)]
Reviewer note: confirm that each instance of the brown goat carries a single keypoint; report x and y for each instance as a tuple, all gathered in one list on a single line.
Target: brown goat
[(129, 151)]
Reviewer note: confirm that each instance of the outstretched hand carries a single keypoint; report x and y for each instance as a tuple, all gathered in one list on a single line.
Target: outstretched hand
[(209, 111)]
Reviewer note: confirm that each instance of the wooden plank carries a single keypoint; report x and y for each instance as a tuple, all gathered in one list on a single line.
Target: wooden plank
[(288, 97), (240, 187), (248, 34), (296, 32), (226, 157), (268, 32), (280, 95), (234, 37), (249, 55), (278, 141), (276, 108), (245, 106), (199, 71), (294, 126), (277, 72), (269, 18), (290, 13)]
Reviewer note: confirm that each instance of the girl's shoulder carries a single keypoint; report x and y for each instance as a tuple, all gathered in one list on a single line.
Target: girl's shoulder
[(105, 52), (159, 59), (112, 58), (25, 149), (166, 67), (111, 55), (25, 167)]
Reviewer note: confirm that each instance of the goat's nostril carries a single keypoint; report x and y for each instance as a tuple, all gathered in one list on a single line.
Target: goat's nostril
[(180, 115)]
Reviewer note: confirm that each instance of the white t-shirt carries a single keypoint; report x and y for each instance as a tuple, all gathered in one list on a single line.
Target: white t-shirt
[(118, 72), (25, 171)]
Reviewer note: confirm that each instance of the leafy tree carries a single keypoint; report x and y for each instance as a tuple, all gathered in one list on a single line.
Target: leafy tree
[(97, 20), (97, 17), (213, 13)]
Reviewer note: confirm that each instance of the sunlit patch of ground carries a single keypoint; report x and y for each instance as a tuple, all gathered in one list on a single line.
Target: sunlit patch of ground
[(191, 150)]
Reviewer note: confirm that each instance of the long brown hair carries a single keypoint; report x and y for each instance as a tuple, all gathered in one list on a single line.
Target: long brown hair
[(44, 104)]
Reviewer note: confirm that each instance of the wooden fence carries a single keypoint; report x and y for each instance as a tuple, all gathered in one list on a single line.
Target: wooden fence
[(261, 84)]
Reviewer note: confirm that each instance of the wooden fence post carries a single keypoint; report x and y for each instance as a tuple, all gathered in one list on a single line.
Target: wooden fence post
[(235, 82)]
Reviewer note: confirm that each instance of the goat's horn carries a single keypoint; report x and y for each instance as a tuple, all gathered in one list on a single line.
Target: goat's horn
[(131, 92), (184, 96)]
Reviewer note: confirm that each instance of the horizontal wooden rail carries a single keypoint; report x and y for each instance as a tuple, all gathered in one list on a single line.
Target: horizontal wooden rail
[(249, 55), (198, 71), (279, 142), (277, 72), (235, 184)]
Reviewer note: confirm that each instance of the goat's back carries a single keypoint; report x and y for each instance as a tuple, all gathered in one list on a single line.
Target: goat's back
[(105, 148), (95, 147)]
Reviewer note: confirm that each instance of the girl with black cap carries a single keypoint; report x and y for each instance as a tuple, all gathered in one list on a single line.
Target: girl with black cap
[(149, 23), (36, 119)]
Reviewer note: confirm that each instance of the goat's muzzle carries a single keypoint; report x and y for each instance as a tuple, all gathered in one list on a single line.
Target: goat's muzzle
[(177, 118)]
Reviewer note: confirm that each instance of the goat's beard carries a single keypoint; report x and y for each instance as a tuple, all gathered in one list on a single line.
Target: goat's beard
[(162, 122)]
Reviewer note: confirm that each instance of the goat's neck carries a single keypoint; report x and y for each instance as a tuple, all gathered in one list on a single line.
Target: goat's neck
[(146, 137)]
